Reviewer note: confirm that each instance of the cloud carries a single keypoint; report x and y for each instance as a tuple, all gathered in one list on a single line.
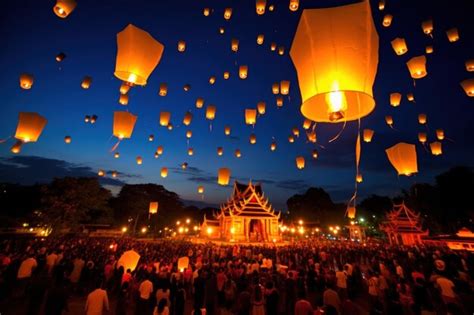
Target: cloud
[(293, 184), (190, 170)]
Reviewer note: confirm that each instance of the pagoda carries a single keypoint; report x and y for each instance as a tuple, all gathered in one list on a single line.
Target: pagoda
[(403, 226), (246, 217)]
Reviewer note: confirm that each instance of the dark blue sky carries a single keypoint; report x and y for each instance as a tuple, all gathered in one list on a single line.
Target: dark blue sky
[(32, 36)]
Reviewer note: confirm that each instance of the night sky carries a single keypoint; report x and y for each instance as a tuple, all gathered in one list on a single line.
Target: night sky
[(32, 35)]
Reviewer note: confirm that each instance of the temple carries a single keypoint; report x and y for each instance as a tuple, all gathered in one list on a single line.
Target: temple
[(246, 217), (403, 226)]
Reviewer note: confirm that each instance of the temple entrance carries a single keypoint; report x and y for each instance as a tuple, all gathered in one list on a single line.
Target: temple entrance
[(256, 231)]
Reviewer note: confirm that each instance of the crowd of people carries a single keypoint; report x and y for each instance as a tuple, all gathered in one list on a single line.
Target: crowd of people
[(307, 277)]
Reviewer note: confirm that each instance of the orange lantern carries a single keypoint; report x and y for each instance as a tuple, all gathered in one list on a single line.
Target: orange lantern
[(275, 88), (387, 20), (279, 101), (389, 120), (395, 99), (294, 4), (250, 116), (436, 148), (311, 135), (206, 11), (153, 208), (243, 72), (422, 119), (199, 102), (336, 68), (163, 89), (307, 124), (427, 27), (470, 65), (165, 118), (220, 151), (237, 153), (93, 119), (151, 138), (101, 173), (188, 117), (221, 30), (468, 87), (403, 158), (273, 146), (359, 178), (60, 57), (295, 131), (422, 137), (139, 160), (261, 107), (170, 126), (124, 88), (410, 97), (260, 39), (223, 176), (123, 99), (234, 45), (453, 35), (26, 81), (399, 46), (440, 134), (181, 46), (29, 128), (260, 6), (314, 154), (227, 130), (164, 172), (67, 139), (187, 87), (368, 135), (159, 150), (429, 49), (116, 155), (200, 189), (300, 162), (189, 134), (281, 50), (210, 112), (351, 212), (86, 82), (190, 151), (271, 7), (417, 67), (64, 7), (381, 5), (227, 13), (212, 80), (291, 139), (284, 87), (138, 53), (124, 122), (226, 75), (273, 46), (114, 174), (253, 139)]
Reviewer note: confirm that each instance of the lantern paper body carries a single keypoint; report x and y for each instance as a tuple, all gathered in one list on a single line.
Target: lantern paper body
[(307, 124), (138, 53), (139, 160), (275, 88), (223, 176), (440, 134), (200, 189), (212, 80), (294, 4), (189, 134), (436, 148), (395, 99), (123, 99), (417, 67), (410, 97), (159, 150), (124, 88), (250, 116), (210, 112), (188, 117), (389, 120), (220, 151), (468, 87), (226, 75), (164, 172), (116, 155), (187, 87), (285, 87), (227, 130), (206, 11), (291, 139), (314, 154), (114, 174), (336, 67), (199, 102), (60, 57), (453, 35), (30, 126), (151, 138), (253, 139), (273, 46), (101, 173), (427, 27), (26, 81), (64, 7), (124, 122), (67, 139), (470, 65), (295, 131), (368, 135), (86, 82), (165, 118), (163, 89), (237, 153), (399, 46), (403, 158), (381, 5), (311, 136), (359, 178), (351, 212), (279, 101), (260, 6), (273, 146), (300, 162), (429, 49), (422, 119), (422, 137), (129, 260), (153, 207), (281, 50), (227, 13), (387, 20), (234, 45), (260, 39), (261, 106), (183, 263), (221, 30), (181, 46), (243, 72)]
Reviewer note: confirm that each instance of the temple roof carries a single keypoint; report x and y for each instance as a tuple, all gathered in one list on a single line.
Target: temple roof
[(402, 220), (249, 201)]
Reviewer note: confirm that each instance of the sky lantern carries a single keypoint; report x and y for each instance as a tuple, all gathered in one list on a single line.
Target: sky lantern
[(210, 112), (212, 80), (26, 81), (253, 138), (279, 101), (206, 11), (470, 65), (422, 119), (295, 131), (403, 158), (387, 20), (243, 72), (436, 148), (151, 138), (165, 118), (336, 68), (221, 30), (86, 82), (440, 134), (101, 173), (389, 120), (181, 46), (129, 260), (153, 207), (351, 212), (184, 165), (123, 99), (427, 27), (139, 160), (453, 35), (234, 44), (124, 122), (124, 88), (29, 128), (260, 39), (294, 4), (114, 174), (60, 57), (200, 189), (67, 139), (163, 89), (260, 6), (188, 117), (422, 137), (273, 46), (291, 139), (311, 136), (468, 87), (116, 155), (284, 87), (429, 49), (359, 178), (170, 126), (227, 13), (275, 88), (395, 99), (314, 154), (271, 7), (164, 172), (220, 151), (227, 130), (93, 119), (250, 116), (281, 50), (199, 102), (399, 46), (189, 134), (226, 75), (223, 176), (187, 87), (64, 7), (367, 135), (417, 67), (190, 151), (410, 97), (138, 53), (300, 162), (381, 5), (159, 150), (237, 153), (307, 124), (273, 146), (261, 106)]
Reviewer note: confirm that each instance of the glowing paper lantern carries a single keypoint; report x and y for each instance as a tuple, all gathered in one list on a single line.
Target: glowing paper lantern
[(281, 50), (124, 122), (226, 75), (234, 45), (470, 65), (243, 72), (183, 263), (206, 11), (250, 116), (427, 27), (417, 67), (227, 13), (368, 135), (184, 165), (291, 139), (468, 86), (336, 67), (199, 102), (165, 118), (93, 119), (129, 260), (351, 212), (307, 124), (237, 153), (389, 120), (159, 150), (86, 82), (153, 208), (300, 162), (60, 57), (260, 39), (139, 160), (279, 101), (422, 119), (410, 97), (124, 88), (189, 134), (64, 7), (260, 6), (67, 139), (200, 189), (314, 154), (436, 148), (295, 131), (181, 46), (359, 178), (188, 117), (311, 136), (101, 173), (403, 158), (164, 172), (381, 5), (273, 146), (422, 137), (138, 53), (151, 138), (227, 130), (190, 151), (212, 80), (114, 174), (273, 46), (395, 99), (440, 134), (221, 30), (123, 99), (26, 81), (275, 88), (253, 139), (163, 89), (271, 7), (399, 46), (387, 20), (30, 126), (429, 49), (116, 155), (210, 112), (170, 126), (223, 176), (294, 4), (284, 87), (261, 107), (453, 35), (220, 151)]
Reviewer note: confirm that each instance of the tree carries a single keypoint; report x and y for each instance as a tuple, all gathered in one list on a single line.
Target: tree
[(68, 202), (314, 205), (373, 210), (17, 203)]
